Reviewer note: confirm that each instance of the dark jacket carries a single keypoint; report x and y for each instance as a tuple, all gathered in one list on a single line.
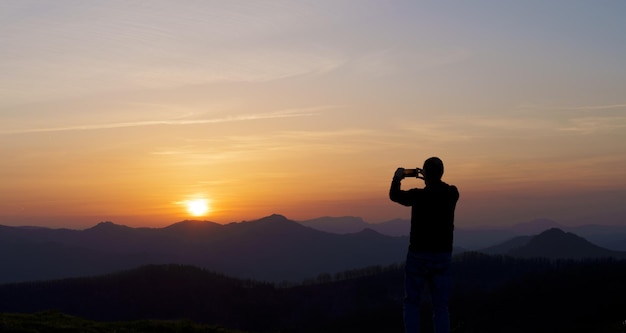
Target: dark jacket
[(432, 214)]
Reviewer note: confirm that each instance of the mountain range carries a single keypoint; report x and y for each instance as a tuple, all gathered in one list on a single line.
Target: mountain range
[(474, 238), (272, 248)]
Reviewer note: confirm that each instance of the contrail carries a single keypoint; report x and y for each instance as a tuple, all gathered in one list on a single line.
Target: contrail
[(174, 122)]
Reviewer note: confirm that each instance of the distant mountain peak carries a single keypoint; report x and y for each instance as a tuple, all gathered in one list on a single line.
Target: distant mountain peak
[(194, 225), (274, 218), (555, 232), (369, 231), (556, 243), (559, 239), (108, 225)]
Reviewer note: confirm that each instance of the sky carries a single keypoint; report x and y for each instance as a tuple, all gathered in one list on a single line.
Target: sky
[(126, 111)]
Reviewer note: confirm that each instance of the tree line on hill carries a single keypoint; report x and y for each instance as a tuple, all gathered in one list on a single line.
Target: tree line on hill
[(491, 293)]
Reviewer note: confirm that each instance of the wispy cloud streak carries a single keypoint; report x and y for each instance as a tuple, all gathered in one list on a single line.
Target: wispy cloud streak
[(172, 122), (575, 108), (594, 107)]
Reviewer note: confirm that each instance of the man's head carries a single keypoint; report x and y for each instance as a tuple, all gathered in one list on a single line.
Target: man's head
[(433, 168)]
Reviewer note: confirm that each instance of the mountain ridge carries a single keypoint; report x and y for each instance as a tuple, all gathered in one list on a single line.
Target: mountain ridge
[(553, 243), (271, 248), (475, 238)]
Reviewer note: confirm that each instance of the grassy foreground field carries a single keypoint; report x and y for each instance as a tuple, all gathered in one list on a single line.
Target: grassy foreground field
[(56, 322)]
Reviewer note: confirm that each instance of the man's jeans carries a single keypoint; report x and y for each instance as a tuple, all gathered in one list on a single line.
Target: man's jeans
[(432, 269)]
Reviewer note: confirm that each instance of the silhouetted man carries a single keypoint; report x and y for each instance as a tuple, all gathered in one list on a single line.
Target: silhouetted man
[(430, 249)]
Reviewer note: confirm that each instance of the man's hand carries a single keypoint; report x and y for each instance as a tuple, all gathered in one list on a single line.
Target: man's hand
[(399, 175)]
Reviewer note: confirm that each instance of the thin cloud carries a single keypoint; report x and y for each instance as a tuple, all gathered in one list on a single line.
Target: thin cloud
[(589, 125), (573, 108), (595, 107), (583, 119), (174, 122)]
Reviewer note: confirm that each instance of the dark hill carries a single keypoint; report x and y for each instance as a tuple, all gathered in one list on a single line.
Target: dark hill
[(557, 244), (490, 293), (553, 244), (150, 292), (187, 292)]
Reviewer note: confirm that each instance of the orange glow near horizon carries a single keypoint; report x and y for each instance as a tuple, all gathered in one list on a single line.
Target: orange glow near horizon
[(128, 186)]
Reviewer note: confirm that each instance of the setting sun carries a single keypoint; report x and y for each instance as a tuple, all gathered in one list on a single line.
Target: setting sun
[(197, 207)]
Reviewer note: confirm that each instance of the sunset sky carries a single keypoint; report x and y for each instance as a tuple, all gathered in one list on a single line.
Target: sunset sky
[(124, 111)]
